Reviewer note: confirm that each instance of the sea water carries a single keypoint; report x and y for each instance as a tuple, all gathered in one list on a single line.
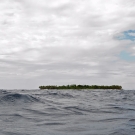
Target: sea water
[(67, 112)]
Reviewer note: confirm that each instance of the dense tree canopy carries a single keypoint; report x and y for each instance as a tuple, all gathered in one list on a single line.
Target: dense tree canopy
[(74, 86)]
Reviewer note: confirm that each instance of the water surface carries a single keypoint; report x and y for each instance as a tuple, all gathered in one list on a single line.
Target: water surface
[(67, 112)]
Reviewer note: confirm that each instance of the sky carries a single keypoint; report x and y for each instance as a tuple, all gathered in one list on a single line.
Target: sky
[(60, 42)]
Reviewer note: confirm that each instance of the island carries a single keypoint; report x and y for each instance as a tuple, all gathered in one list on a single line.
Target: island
[(74, 86)]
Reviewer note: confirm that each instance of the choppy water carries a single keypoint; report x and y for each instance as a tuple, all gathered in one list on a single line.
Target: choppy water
[(67, 112)]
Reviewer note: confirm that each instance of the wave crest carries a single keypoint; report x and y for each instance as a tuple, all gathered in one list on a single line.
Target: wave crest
[(18, 98)]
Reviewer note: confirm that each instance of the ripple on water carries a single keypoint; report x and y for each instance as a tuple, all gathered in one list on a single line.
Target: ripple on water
[(58, 112)]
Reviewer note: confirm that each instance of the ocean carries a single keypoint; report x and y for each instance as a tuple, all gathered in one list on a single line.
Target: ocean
[(67, 112)]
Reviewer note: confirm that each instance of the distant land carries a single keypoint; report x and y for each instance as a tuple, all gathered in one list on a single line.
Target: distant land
[(74, 86)]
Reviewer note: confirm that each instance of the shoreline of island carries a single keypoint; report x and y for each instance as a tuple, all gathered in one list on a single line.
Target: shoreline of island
[(74, 86)]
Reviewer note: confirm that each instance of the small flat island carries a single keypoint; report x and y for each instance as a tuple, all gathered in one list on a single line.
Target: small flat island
[(74, 86)]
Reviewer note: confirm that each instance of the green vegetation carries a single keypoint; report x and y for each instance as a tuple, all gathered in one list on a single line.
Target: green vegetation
[(73, 86)]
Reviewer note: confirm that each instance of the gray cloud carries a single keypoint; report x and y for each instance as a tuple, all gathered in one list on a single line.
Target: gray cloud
[(64, 42)]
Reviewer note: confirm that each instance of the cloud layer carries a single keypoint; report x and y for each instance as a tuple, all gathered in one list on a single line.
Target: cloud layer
[(66, 42)]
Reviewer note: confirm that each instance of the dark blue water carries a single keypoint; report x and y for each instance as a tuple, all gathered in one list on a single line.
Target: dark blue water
[(67, 112)]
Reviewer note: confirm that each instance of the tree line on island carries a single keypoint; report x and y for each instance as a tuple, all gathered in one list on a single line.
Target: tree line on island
[(74, 86)]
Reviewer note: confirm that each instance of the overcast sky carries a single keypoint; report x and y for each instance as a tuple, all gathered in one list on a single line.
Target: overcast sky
[(56, 42)]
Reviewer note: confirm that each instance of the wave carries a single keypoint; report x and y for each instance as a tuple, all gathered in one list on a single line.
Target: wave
[(67, 112), (18, 98), (59, 94)]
